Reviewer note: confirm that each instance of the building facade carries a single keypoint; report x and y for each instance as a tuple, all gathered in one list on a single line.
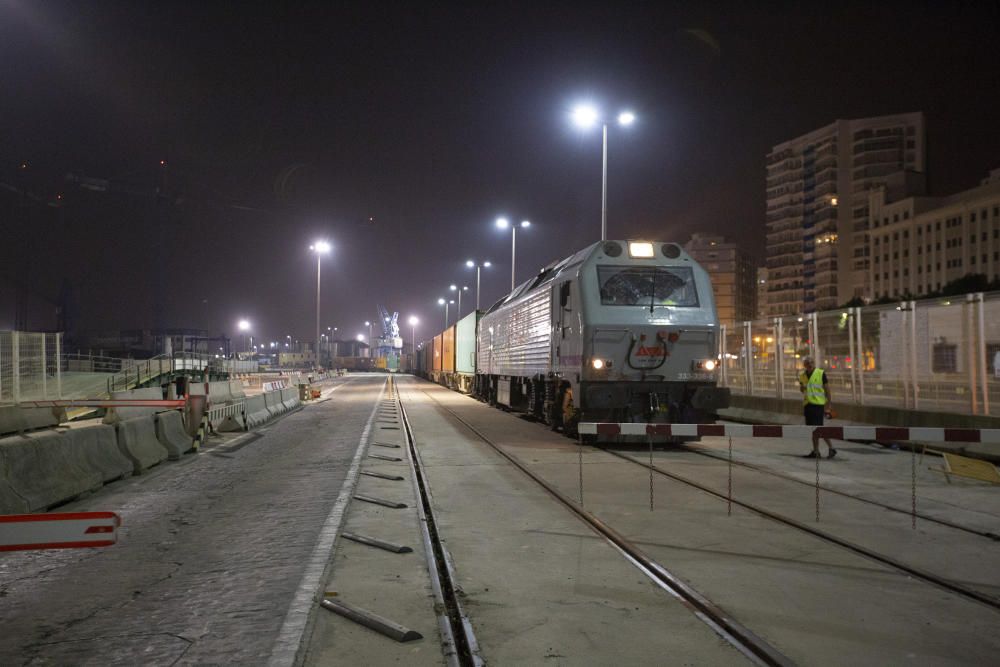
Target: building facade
[(818, 253), (920, 244), (733, 276)]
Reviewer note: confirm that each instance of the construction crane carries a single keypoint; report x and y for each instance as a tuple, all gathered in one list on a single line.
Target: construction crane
[(390, 344)]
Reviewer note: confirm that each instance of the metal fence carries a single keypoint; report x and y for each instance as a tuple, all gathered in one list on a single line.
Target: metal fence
[(934, 354), (29, 366)]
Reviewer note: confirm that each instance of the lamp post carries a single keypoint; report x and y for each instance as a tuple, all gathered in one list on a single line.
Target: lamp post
[(320, 248), (586, 116), (455, 288), (413, 334), (471, 264), (244, 326), (503, 224), (369, 325), (445, 303)]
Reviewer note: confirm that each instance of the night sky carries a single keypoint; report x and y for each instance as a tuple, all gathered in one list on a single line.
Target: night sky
[(400, 131)]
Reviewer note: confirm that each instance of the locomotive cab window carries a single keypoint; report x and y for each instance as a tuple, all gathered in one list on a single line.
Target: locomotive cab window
[(647, 285)]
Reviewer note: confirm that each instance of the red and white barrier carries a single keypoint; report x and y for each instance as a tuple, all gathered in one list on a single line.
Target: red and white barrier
[(67, 530), (873, 433), (275, 385)]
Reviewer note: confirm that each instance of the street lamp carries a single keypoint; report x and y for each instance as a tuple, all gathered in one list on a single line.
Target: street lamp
[(320, 248), (445, 303), (586, 116), (369, 325), (413, 333), (244, 326), (454, 288), (503, 224), (471, 264)]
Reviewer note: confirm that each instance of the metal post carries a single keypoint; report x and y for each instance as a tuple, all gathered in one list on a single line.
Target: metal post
[(45, 393), (319, 259), (904, 375), (779, 357), (604, 186), (15, 350), (477, 286), (748, 346), (852, 352), (513, 254), (970, 353), (722, 355), (981, 347), (459, 290), (817, 357), (861, 355), (915, 377)]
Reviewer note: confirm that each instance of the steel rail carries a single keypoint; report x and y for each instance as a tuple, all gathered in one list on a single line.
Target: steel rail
[(924, 575), (461, 646), (725, 625), (845, 494)]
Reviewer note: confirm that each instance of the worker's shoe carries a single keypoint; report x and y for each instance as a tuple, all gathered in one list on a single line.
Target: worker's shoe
[(832, 454), (811, 455)]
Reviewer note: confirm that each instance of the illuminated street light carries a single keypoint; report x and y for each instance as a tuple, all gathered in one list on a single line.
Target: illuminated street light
[(586, 116), (502, 223), (413, 333), (472, 264), (445, 303), (454, 288), (244, 326), (320, 248)]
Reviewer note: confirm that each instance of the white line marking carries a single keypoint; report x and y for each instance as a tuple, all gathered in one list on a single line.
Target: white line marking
[(286, 646)]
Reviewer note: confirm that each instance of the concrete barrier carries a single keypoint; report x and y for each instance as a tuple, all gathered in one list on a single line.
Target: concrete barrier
[(10, 501), (273, 401), (97, 447), (257, 413), (236, 389), (171, 434), (290, 397), (115, 415), (15, 419), (45, 470), (137, 441)]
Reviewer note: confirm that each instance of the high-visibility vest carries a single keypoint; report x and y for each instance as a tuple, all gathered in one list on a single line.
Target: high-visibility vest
[(815, 394)]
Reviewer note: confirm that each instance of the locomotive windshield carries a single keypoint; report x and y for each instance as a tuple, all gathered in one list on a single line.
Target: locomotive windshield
[(647, 286)]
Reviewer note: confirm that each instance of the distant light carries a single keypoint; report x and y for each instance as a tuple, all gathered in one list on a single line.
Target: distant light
[(244, 325), (626, 118), (361, 338), (453, 287), (469, 263), (502, 223), (833, 201), (640, 249), (321, 247), (440, 302), (487, 264), (414, 321), (367, 323), (585, 115), (163, 163), (525, 223)]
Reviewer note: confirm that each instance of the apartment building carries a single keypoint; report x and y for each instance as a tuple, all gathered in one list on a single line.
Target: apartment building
[(818, 254), (733, 276), (920, 244)]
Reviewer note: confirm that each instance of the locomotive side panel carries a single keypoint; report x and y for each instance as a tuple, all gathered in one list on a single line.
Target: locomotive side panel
[(515, 340)]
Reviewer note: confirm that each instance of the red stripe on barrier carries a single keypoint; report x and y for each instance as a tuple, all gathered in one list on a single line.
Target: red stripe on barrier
[(961, 435), (99, 529), (608, 429), (658, 429), (711, 429), (767, 431), (885, 433), (57, 545), (834, 432)]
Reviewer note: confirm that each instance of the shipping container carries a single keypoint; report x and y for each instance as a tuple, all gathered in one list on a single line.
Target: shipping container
[(436, 366), (448, 350), (465, 344)]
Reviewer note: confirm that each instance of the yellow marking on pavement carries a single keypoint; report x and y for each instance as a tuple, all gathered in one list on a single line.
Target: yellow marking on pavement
[(963, 466)]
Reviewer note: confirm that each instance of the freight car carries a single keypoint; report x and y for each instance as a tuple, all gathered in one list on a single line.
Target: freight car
[(630, 327)]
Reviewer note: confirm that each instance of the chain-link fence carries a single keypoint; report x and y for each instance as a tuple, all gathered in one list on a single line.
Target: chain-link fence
[(934, 354)]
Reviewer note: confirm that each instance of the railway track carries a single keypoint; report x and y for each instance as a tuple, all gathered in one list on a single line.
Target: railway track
[(844, 494), (739, 636)]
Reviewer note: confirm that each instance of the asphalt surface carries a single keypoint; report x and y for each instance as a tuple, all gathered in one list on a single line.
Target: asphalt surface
[(211, 553)]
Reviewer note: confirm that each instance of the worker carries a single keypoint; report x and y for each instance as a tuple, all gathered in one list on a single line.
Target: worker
[(567, 405), (816, 403)]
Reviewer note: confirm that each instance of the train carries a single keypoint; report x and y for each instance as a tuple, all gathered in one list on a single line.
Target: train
[(629, 327)]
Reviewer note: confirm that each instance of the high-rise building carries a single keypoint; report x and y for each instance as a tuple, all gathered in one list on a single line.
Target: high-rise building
[(817, 206), (732, 273), (760, 306)]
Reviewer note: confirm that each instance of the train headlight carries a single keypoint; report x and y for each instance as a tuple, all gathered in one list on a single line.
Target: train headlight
[(600, 364), (706, 365), (641, 249)]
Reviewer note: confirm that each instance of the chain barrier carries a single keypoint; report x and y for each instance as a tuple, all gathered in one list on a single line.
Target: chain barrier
[(913, 488), (650, 439), (580, 466), (729, 507), (817, 489)]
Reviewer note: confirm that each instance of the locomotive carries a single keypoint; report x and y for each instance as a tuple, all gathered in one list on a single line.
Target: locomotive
[(631, 326)]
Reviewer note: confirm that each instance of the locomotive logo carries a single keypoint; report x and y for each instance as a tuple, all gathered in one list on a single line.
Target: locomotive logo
[(644, 351)]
